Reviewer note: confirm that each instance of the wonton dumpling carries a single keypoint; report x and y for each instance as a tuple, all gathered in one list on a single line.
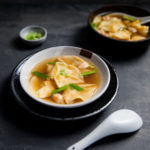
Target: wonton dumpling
[(34, 84), (74, 60), (46, 90), (49, 68), (64, 74), (72, 95), (41, 90)]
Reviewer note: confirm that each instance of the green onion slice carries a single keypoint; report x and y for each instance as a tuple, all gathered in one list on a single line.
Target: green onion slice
[(60, 89), (88, 73), (52, 63), (128, 18), (39, 74), (93, 25), (91, 66), (75, 86), (33, 36)]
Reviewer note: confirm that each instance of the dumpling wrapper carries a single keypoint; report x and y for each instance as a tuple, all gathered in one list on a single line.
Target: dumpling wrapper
[(72, 95), (74, 60), (64, 74), (34, 85), (41, 90), (46, 90)]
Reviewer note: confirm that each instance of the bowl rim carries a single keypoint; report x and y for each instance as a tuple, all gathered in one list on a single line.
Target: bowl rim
[(114, 5), (31, 27), (92, 99)]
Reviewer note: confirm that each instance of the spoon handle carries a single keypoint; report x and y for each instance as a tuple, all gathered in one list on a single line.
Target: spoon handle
[(144, 20), (100, 132)]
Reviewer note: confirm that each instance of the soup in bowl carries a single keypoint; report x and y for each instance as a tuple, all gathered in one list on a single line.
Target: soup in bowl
[(65, 76)]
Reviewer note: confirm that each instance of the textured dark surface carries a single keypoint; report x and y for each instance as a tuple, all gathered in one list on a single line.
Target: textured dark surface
[(66, 24)]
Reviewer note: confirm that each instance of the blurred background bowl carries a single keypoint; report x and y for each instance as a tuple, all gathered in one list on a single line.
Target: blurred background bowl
[(111, 45)]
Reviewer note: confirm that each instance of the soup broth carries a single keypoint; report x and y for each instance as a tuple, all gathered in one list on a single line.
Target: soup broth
[(64, 80)]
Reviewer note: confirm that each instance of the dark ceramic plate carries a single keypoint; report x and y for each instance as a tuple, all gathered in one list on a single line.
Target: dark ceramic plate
[(62, 113), (108, 42)]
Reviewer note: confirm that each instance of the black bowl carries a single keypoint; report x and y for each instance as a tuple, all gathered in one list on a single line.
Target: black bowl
[(113, 44)]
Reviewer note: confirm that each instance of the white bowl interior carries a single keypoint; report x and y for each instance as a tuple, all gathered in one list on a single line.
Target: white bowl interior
[(58, 51)]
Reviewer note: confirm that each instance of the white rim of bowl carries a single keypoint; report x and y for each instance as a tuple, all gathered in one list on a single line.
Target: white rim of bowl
[(92, 99)]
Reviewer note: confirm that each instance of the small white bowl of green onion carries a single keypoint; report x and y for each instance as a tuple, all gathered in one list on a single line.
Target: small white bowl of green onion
[(33, 35)]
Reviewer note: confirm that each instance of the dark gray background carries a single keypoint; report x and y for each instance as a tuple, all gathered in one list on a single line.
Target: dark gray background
[(66, 23)]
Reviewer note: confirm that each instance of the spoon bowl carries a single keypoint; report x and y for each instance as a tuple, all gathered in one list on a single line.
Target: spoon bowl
[(112, 46)]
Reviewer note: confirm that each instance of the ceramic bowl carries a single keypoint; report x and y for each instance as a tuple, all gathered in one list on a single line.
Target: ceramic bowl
[(112, 44), (33, 28), (65, 50)]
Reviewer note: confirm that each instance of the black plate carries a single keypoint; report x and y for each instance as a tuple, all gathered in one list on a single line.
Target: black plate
[(62, 113)]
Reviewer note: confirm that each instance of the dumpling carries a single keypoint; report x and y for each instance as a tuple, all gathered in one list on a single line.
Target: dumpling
[(35, 83), (72, 95), (49, 68), (41, 89), (46, 90), (74, 60), (64, 74)]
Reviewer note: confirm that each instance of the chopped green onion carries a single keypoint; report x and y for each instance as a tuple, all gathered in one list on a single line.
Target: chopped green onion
[(93, 25), (91, 66), (60, 89), (122, 28), (88, 73), (66, 75), (128, 18), (62, 73), (39, 74), (75, 86), (52, 63), (62, 70), (33, 36)]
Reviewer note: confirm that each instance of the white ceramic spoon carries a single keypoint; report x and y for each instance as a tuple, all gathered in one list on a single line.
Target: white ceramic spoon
[(143, 20), (121, 121)]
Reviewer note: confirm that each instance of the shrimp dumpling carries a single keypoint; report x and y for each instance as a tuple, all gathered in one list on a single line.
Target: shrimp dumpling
[(72, 95), (64, 74)]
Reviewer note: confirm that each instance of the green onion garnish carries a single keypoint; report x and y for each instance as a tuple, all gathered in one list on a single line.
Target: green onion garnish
[(91, 66), (33, 36), (88, 73), (75, 86), (128, 18), (60, 89), (122, 28), (62, 73), (93, 25), (39, 74), (52, 63)]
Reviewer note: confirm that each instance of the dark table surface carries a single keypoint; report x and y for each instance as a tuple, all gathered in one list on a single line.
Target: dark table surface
[(66, 24)]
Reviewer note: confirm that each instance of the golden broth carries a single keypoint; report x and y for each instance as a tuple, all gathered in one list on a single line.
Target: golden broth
[(42, 67)]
